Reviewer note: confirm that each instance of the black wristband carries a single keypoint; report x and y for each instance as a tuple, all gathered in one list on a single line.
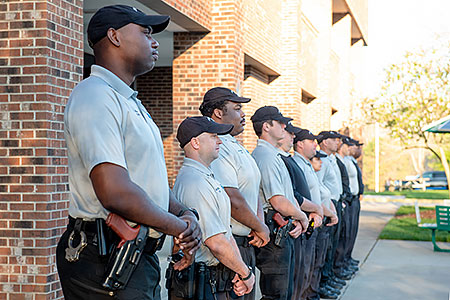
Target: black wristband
[(248, 276), (192, 210)]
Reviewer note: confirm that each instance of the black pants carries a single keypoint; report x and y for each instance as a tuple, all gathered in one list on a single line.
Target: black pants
[(82, 279), (335, 231), (277, 269), (344, 238), (303, 267), (355, 210), (319, 262), (248, 256)]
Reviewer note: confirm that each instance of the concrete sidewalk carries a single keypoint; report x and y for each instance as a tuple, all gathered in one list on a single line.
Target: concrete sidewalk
[(392, 270)]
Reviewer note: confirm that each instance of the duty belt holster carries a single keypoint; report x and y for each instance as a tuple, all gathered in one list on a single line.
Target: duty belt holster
[(194, 281)]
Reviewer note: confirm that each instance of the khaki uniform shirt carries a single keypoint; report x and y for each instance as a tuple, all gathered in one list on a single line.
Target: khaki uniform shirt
[(197, 188), (104, 122), (275, 179), (236, 168)]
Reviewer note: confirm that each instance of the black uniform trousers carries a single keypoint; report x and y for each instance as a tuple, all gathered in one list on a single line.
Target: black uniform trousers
[(248, 256), (321, 250), (341, 250), (304, 260), (82, 279), (334, 232), (276, 265), (354, 210)]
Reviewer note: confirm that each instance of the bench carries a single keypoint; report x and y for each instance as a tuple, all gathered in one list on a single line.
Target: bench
[(442, 223)]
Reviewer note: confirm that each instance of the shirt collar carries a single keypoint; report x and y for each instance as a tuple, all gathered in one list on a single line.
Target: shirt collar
[(113, 81), (267, 145), (306, 161), (339, 156), (285, 154), (188, 162), (229, 137)]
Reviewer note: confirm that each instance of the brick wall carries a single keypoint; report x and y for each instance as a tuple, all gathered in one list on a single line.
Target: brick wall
[(198, 10), (202, 61), (40, 62), (155, 92)]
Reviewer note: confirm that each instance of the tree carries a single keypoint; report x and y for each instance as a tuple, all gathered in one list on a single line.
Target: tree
[(415, 92)]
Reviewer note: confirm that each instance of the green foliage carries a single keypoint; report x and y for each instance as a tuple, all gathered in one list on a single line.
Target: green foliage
[(415, 92), (429, 194)]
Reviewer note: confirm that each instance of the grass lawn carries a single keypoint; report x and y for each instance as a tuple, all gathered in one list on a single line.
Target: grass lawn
[(403, 226), (429, 194)]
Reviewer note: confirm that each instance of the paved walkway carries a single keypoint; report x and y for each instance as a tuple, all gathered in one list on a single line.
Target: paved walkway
[(392, 270)]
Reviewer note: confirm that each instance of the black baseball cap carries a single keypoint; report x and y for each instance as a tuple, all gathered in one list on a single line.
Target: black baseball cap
[(305, 134), (320, 154), (194, 126), (346, 140), (222, 93), (291, 128), (356, 142), (328, 134), (267, 113), (117, 16)]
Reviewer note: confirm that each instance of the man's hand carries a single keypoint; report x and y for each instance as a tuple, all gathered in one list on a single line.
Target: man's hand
[(333, 220), (317, 219), (190, 239), (303, 221), (260, 239), (299, 229), (185, 262), (241, 287)]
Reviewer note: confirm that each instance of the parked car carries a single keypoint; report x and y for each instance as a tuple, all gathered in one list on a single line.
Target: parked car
[(431, 180)]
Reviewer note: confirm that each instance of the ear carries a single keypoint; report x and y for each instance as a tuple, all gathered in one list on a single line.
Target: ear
[(266, 126), (218, 113), (112, 35), (195, 143)]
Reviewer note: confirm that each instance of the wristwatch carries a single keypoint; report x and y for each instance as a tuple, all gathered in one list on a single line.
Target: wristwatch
[(192, 210), (248, 276)]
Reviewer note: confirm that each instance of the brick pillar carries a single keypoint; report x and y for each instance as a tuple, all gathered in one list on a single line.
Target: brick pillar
[(40, 62), (204, 60)]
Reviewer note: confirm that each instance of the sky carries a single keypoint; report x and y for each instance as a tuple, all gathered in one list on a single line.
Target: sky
[(397, 26)]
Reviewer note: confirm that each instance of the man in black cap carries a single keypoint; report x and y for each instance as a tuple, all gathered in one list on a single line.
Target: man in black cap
[(276, 260), (341, 268), (116, 164), (218, 258), (238, 173), (330, 176), (305, 149), (304, 247)]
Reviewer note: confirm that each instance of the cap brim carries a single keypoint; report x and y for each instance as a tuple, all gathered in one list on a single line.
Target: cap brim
[(156, 22), (319, 155), (239, 99), (292, 129), (282, 119), (220, 129)]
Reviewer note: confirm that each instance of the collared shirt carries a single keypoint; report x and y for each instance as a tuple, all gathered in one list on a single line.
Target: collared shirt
[(197, 188), (298, 179), (352, 175), (311, 177), (275, 178), (106, 123), (331, 176), (325, 195), (236, 168)]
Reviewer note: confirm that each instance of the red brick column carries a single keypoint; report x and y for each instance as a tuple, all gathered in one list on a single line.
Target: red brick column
[(204, 60), (40, 62)]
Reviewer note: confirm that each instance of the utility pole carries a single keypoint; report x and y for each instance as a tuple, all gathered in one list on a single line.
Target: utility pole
[(377, 157)]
